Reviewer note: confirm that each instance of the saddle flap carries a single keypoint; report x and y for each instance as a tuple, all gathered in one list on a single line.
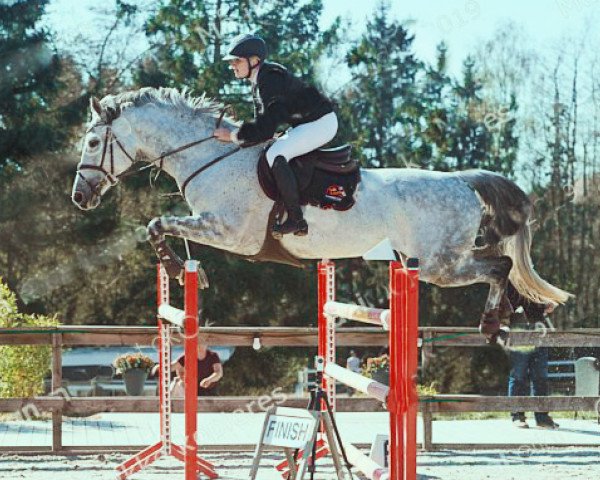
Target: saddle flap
[(326, 177)]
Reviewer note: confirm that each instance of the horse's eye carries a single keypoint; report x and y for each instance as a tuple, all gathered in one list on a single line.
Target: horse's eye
[(93, 143)]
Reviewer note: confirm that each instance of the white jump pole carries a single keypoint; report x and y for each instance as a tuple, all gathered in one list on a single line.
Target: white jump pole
[(371, 469), (172, 315), (373, 316), (366, 385)]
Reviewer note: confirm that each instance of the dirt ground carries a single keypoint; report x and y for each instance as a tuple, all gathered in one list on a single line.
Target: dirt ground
[(564, 463)]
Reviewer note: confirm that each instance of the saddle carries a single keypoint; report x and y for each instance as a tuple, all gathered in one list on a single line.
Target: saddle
[(327, 178)]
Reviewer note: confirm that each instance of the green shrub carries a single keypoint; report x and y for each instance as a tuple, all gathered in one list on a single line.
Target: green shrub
[(22, 367)]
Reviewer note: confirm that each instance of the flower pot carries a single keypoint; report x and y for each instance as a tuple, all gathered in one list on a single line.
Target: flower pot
[(381, 376), (134, 381)]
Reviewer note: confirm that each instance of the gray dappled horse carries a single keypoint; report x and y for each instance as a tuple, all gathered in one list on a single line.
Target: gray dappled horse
[(465, 227)]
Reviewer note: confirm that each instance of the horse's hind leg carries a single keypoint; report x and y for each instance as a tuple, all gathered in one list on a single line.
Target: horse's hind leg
[(495, 320), (493, 270)]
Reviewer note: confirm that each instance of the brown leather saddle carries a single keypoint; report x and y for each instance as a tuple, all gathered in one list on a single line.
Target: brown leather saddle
[(327, 177)]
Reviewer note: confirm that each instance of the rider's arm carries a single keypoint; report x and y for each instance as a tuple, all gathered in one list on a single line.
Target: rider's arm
[(261, 128)]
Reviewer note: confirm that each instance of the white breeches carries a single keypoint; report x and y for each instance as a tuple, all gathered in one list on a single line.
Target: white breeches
[(304, 138)]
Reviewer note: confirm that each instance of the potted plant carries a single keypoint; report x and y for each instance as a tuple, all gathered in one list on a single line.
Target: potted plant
[(378, 368), (135, 368)]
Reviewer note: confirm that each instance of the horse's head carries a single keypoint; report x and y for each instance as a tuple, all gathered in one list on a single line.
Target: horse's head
[(108, 150), (167, 122)]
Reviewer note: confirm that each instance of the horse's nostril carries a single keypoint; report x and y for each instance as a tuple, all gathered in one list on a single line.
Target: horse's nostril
[(78, 197)]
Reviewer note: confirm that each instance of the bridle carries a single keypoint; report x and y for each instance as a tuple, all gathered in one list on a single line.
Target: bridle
[(109, 175), (112, 179)]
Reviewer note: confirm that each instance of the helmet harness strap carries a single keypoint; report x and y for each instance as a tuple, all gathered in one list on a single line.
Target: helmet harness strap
[(250, 67)]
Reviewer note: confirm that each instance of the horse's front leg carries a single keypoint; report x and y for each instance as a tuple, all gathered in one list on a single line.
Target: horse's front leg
[(192, 227)]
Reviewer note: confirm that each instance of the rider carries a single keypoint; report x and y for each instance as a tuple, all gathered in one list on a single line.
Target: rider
[(280, 98)]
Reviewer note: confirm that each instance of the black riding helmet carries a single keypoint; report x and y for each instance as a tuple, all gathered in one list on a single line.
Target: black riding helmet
[(245, 46)]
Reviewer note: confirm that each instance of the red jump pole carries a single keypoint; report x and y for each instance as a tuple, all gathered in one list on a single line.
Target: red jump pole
[(411, 361), (189, 452), (396, 420), (403, 400), (191, 368)]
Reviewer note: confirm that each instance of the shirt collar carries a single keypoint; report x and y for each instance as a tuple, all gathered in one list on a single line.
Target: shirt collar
[(254, 75)]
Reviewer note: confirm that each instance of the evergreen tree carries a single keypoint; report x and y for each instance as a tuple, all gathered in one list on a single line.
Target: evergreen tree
[(380, 105), (190, 39), (435, 88), (37, 111), (28, 85)]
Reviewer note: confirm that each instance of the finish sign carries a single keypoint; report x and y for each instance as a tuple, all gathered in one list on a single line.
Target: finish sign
[(291, 428)]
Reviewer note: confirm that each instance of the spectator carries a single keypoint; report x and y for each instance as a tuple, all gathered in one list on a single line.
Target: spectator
[(353, 364), (529, 364), (210, 371)]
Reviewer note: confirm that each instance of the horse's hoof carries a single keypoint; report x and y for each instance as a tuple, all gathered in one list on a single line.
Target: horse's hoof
[(276, 234), (302, 229), (500, 338), (489, 326), (503, 337)]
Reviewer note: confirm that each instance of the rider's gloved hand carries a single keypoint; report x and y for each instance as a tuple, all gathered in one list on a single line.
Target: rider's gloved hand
[(223, 135)]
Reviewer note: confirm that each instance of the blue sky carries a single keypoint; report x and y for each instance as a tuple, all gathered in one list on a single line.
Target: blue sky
[(462, 24)]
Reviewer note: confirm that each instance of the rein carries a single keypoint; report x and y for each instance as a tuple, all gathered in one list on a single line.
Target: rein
[(114, 179)]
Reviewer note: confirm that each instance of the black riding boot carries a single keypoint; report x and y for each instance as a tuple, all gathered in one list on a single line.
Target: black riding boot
[(288, 189)]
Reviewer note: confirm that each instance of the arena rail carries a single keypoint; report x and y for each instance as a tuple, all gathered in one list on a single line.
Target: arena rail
[(71, 336)]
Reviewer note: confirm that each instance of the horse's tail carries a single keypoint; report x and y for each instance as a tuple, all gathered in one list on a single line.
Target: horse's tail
[(522, 275), (506, 225)]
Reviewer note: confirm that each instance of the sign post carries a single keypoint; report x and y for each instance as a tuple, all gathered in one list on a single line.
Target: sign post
[(291, 429)]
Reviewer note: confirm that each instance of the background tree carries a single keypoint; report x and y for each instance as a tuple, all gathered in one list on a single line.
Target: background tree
[(36, 121), (378, 108)]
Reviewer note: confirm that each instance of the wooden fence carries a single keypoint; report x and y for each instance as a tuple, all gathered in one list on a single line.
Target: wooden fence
[(60, 404)]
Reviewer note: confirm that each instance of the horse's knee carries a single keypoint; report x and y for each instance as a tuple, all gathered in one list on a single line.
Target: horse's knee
[(154, 229)]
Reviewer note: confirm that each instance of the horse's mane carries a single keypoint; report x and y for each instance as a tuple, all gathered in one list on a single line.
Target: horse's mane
[(163, 96)]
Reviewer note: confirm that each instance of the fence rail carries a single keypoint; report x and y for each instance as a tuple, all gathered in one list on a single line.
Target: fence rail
[(432, 337)]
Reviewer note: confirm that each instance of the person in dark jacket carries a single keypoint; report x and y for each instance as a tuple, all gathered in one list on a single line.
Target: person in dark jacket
[(529, 364), (280, 98)]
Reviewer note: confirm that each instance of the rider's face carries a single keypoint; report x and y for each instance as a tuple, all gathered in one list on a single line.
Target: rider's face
[(240, 67)]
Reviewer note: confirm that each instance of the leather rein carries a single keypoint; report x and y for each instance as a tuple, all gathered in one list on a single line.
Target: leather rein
[(112, 179)]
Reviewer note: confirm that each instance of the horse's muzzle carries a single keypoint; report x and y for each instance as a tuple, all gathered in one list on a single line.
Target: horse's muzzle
[(83, 196)]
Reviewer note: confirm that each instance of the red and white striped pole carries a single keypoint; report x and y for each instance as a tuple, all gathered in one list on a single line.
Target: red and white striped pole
[(326, 325), (191, 368)]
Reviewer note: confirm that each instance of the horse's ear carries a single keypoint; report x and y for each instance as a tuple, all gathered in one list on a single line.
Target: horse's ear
[(95, 105), (112, 113)]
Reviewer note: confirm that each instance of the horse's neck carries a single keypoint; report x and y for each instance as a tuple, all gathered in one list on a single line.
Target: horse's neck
[(162, 133)]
